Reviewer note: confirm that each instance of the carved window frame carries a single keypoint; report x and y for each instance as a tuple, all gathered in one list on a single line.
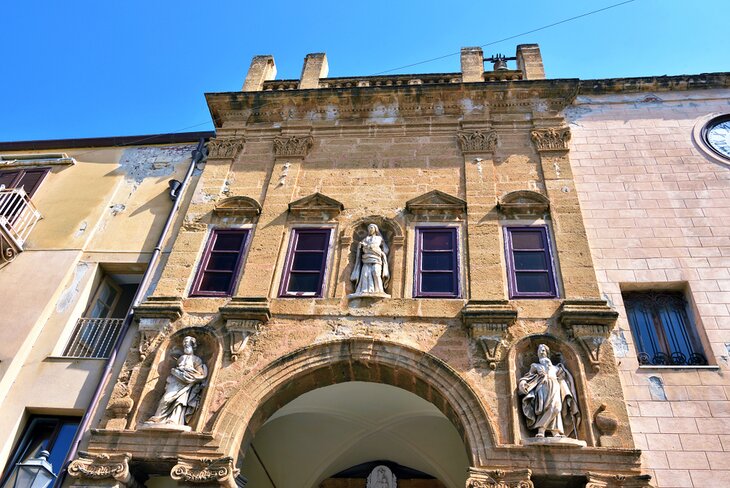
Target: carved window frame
[(421, 230), (195, 290), (548, 252), (324, 271)]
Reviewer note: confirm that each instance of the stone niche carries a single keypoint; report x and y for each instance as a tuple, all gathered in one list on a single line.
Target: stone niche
[(522, 355), (392, 234), (208, 349)]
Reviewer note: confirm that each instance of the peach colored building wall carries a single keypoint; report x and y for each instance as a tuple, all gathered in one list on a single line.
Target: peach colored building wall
[(657, 214)]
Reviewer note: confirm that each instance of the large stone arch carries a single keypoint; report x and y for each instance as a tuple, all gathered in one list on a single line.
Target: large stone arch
[(364, 359)]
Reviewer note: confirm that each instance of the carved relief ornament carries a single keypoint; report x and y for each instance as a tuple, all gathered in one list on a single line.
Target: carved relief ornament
[(477, 141), (551, 139), (498, 478), (91, 466), (588, 322), (488, 322), (227, 148), (612, 480), (205, 470), (292, 147)]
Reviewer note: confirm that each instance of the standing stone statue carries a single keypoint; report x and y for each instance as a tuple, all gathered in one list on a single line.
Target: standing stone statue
[(182, 391), (370, 273), (550, 403), (381, 477)]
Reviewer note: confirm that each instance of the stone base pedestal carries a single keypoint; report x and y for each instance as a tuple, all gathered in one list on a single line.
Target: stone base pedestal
[(553, 441)]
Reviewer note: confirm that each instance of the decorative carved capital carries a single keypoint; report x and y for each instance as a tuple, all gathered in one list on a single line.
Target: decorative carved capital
[(499, 478), (292, 147), (244, 317), (204, 470), (551, 139), (477, 141), (92, 466), (227, 148), (239, 332), (488, 322), (613, 480), (589, 322), (155, 316)]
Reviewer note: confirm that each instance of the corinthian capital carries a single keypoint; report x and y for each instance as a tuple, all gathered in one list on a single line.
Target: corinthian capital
[(551, 139), (205, 470), (225, 148), (477, 141), (292, 147)]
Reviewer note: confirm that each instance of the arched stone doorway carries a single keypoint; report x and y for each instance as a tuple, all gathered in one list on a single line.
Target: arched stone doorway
[(318, 438)]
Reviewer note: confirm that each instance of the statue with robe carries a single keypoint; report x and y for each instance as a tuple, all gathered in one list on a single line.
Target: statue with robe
[(370, 273), (550, 403), (182, 391)]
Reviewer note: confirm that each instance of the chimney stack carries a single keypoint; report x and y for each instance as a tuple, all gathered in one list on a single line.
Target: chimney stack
[(529, 61), (262, 69), (472, 64), (315, 68)]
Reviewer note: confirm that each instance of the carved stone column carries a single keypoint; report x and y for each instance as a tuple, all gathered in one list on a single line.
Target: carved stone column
[(589, 322), (97, 470), (244, 317), (204, 472), (499, 478), (488, 322), (612, 480)]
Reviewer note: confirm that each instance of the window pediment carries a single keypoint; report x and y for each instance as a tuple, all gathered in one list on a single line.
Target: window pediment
[(523, 202), (436, 205), (315, 207), (238, 206)]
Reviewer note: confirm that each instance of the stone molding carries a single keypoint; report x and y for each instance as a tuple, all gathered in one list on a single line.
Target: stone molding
[(499, 478), (293, 146), (205, 470), (589, 322), (239, 206), (436, 205), (479, 141), (244, 317), (612, 480), (487, 322), (93, 466), (551, 139), (155, 317), (315, 207), (225, 148), (523, 202)]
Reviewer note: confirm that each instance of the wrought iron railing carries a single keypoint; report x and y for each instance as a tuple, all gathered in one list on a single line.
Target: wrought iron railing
[(93, 338), (18, 216)]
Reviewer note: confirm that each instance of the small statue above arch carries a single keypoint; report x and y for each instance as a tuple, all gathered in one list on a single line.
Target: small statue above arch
[(370, 273)]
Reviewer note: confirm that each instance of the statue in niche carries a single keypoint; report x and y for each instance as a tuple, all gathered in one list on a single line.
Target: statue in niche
[(550, 403), (370, 273), (381, 477), (182, 390)]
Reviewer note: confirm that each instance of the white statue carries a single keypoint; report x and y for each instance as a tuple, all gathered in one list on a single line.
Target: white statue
[(381, 477), (370, 273), (550, 403), (182, 390)]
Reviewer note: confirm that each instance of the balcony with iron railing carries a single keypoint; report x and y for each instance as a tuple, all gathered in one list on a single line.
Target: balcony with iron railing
[(93, 338), (18, 216)]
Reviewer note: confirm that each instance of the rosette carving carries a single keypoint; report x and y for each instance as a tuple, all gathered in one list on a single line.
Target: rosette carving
[(93, 466), (293, 147), (205, 470)]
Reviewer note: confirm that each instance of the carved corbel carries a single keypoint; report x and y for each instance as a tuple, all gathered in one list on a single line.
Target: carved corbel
[(225, 148), (488, 322), (552, 139), (244, 317), (205, 470), (588, 322), (97, 467), (155, 316), (478, 141), (499, 478), (292, 147), (613, 480)]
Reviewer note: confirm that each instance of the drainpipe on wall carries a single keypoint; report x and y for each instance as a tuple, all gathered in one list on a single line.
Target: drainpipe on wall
[(199, 154)]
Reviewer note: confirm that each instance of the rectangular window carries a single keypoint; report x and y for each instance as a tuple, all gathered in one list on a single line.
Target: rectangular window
[(437, 264), (529, 264), (221, 263), (662, 330), (305, 264), (28, 179), (52, 434)]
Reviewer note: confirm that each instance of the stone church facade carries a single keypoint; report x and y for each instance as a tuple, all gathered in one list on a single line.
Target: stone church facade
[(491, 241)]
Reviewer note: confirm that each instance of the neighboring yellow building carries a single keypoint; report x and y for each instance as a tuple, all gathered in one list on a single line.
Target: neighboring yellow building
[(78, 223)]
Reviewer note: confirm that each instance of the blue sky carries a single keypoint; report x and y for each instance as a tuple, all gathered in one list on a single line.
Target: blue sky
[(102, 68)]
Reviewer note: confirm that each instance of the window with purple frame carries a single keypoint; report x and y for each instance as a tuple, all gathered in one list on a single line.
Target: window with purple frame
[(221, 263), (305, 264), (530, 270), (437, 263)]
